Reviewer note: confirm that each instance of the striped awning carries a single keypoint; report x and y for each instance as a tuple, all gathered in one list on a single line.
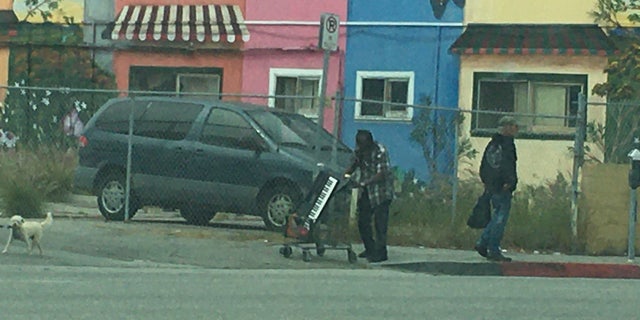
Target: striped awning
[(526, 39), (179, 23)]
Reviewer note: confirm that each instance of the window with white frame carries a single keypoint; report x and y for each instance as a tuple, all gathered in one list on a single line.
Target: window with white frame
[(548, 103), (295, 90), (384, 95)]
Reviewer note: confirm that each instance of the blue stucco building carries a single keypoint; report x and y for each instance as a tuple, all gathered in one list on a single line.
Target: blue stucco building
[(398, 52)]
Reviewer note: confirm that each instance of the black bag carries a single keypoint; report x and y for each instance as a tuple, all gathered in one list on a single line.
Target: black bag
[(481, 214)]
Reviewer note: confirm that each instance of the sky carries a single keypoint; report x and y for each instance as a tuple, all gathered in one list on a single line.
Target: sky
[(72, 8)]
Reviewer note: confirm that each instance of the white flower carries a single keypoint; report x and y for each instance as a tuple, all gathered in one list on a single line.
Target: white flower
[(48, 93), (33, 94), (22, 81), (84, 105), (34, 107), (55, 119), (23, 92), (35, 126), (76, 103), (45, 101), (16, 84), (78, 109)]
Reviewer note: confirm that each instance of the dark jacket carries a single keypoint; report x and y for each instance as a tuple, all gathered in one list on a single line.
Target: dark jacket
[(495, 179)]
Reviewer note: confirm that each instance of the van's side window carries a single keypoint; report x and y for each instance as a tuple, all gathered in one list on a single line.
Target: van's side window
[(226, 128), (116, 117), (167, 120)]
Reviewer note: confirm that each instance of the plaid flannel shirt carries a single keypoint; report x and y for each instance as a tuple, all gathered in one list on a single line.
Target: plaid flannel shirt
[(372, 163)]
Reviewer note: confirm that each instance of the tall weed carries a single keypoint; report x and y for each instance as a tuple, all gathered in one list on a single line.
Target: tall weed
[(539, 217), (32, 177)]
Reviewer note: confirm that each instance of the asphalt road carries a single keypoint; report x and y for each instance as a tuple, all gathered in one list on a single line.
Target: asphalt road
[(43, 292)]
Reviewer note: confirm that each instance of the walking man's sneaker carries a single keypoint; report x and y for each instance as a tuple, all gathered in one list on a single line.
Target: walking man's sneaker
[(497, 256), (482, 250)]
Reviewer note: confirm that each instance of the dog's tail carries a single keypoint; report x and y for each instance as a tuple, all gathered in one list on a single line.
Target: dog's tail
[(48, 220)]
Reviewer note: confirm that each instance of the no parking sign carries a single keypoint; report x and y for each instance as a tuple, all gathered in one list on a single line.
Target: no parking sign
[(329, 27)]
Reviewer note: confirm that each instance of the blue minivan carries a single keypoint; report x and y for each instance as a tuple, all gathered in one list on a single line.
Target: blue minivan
[(202, 157)]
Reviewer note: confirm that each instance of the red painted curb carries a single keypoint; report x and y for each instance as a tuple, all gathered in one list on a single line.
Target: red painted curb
[(571, 270)]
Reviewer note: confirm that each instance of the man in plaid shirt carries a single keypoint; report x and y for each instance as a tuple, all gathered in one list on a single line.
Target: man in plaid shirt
[(376, 181)]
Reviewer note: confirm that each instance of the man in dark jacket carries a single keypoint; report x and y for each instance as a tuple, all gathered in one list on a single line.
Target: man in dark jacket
[(498, 173)]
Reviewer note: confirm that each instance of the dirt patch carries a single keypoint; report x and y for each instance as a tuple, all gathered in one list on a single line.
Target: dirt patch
[(169, 229)]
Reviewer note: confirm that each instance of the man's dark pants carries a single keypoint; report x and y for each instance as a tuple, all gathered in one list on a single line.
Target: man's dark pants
[(375, 248)]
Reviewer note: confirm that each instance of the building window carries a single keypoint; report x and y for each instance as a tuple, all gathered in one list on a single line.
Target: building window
[(547, 103), (198, 85), (295, 90), (200, 82), (393, 90)]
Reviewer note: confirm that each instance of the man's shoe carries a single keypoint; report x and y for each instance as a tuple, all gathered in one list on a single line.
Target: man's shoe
[(377, 259), (497, 256), (482, 250), (363, 254)]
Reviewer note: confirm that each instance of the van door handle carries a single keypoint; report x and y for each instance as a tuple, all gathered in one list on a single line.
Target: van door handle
[(199, 151)]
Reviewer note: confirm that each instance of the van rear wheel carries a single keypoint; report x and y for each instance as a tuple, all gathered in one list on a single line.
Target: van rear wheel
[(112, 196)]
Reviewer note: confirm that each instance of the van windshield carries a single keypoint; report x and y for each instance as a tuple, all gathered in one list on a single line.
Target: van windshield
[(295, 130), (277, 130)]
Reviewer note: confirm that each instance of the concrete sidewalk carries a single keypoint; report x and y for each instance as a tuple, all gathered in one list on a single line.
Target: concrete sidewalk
[(452, 262)]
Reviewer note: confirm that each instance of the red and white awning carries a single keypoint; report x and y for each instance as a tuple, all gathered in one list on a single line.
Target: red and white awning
[(180, 22)]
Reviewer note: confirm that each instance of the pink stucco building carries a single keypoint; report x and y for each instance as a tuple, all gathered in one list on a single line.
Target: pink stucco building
[(282, 57)]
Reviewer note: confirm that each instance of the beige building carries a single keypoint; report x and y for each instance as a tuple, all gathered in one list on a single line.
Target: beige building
[(532, 58), (7, 19)]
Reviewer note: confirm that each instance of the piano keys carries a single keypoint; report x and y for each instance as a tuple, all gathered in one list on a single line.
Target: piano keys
[(320, 193)]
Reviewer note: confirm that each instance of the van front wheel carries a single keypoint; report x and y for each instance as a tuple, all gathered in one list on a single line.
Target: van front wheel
[(278, 204)]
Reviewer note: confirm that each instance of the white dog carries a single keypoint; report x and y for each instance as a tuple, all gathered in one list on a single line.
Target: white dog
[(27, 231)]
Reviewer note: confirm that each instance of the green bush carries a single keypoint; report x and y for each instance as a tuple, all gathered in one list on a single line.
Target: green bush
[(32, 177)]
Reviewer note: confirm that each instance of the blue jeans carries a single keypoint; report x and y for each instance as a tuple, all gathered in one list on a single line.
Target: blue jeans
[(493, 232)]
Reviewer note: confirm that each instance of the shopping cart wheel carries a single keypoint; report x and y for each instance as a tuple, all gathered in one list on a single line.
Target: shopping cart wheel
[(320, 250), (286, 251), (352, 256), (306, 256)]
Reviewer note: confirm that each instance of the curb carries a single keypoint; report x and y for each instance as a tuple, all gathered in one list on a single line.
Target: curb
[(523, 269), (571, 270)]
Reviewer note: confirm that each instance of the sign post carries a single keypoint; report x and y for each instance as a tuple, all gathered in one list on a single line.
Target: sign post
[(634, 183), (327, 41)]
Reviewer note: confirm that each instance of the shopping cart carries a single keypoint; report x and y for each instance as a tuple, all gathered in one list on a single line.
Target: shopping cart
[(321, 221)]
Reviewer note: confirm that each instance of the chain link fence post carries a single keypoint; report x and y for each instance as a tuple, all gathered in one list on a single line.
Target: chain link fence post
[(578, 160), (454, 182)]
